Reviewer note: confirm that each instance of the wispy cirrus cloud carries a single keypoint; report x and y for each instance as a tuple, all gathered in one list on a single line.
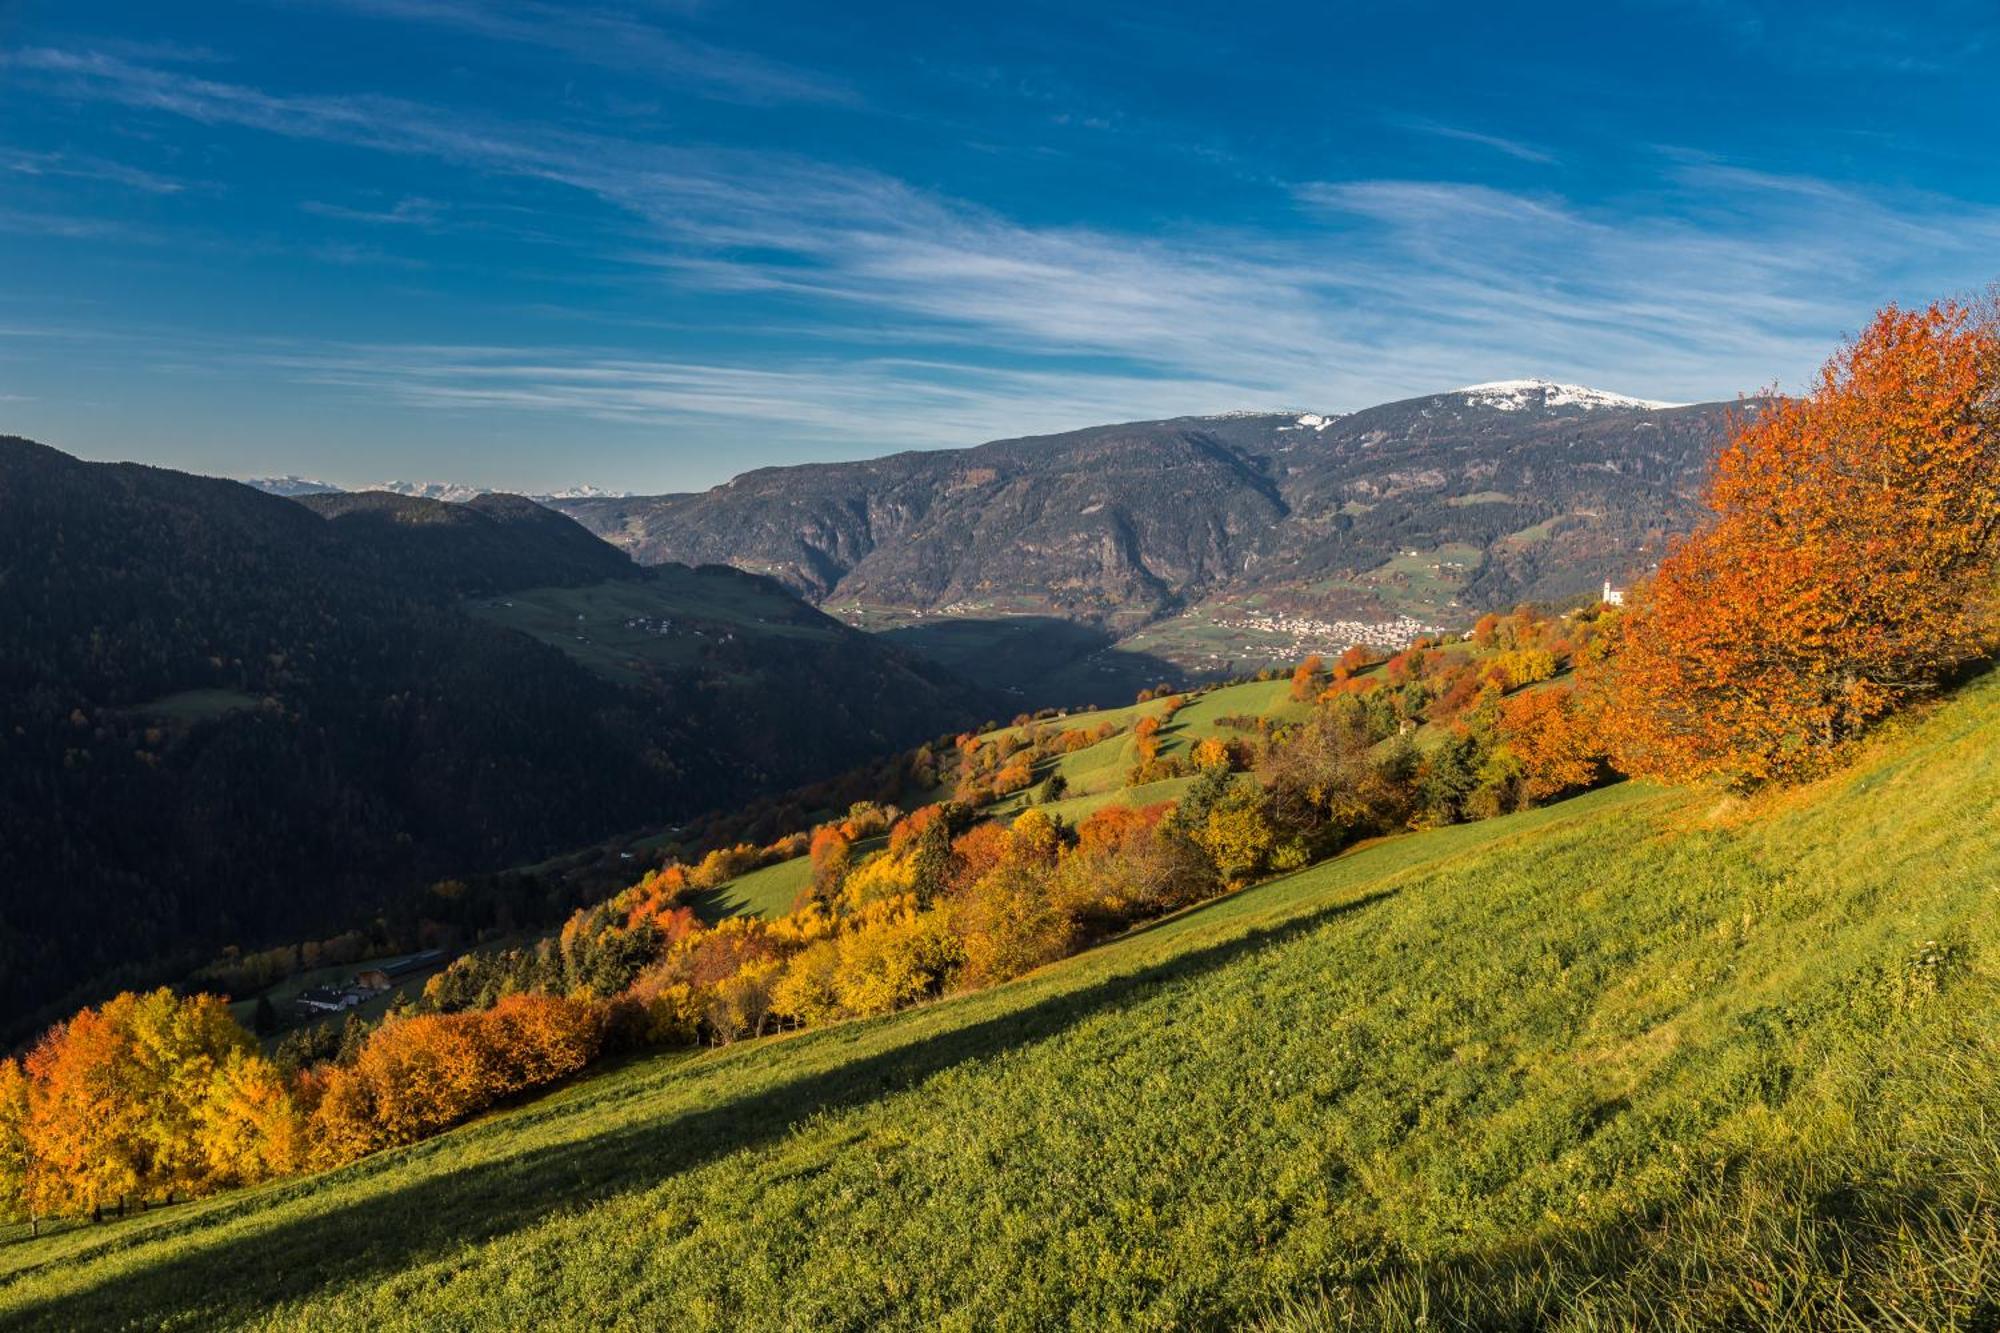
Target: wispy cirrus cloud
[(74, 166), (1716, 279), (67, 226), (617, 41), (899, 402), (409, 211), (1519, 149)]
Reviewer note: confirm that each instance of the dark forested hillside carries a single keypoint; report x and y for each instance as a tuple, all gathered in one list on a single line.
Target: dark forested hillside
[(228, 716), (488, 544)]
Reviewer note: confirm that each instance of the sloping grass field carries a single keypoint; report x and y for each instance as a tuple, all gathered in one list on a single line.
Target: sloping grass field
[(1643, 1059), (589, 623), (1095, 777), (1102, 768)]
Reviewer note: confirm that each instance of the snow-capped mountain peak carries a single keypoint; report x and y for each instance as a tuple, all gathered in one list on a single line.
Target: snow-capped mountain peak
[(450, 491), (1313, 421), (290, 486), (584, 492), (1517, 395)]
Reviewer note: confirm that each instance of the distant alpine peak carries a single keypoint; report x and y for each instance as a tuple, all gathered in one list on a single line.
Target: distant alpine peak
[(451, 491), (1516, 395), (290, 486), (459, 493)]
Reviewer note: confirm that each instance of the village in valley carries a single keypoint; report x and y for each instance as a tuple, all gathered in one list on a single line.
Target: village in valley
[(1302, 635)]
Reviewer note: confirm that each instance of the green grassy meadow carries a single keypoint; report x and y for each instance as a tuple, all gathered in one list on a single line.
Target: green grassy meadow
[(767, 892), (198, 705), (1102, 767), (1424, 584), (588, 623), (1643, 1059)]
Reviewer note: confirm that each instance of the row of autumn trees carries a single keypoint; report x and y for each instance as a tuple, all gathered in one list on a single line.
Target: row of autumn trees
[(1849, 568), (157, 1096), (902, 908)]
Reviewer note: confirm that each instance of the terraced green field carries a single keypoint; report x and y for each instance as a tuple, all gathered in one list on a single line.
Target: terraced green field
[(1644, 1059)]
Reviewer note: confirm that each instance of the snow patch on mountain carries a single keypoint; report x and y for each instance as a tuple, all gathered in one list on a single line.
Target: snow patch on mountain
[(451, 492), (1312, 421), (291, 486), (1518, 395)]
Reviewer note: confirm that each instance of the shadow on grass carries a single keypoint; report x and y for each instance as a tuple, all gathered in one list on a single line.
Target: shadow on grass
[(370, 1238), (719, 904)]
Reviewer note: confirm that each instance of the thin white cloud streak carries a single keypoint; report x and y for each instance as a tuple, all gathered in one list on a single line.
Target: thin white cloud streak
[(1514, 148), (32, 222), (75, 167), (616, 41), (408, 212), (1719, 281), (899, 402)]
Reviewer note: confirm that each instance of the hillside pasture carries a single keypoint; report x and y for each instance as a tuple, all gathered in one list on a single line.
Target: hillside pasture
[(624, 628), (198, 705), (1642, 1059)]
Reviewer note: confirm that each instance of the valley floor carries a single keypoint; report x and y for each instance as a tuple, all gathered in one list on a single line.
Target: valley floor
[(1641, 1059)]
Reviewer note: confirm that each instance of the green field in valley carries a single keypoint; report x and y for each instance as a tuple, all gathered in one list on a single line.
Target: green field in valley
[(1102, 767), (620, 628), (198, 705), (768, 892), (1642, 1059)]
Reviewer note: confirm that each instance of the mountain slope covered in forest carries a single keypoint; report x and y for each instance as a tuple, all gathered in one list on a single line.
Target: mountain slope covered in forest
[(233, 716), (1209, 533)]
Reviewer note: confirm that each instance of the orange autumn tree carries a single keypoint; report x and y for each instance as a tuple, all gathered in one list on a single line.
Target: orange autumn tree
[(1553, 740), (419, 1075), (1849, 565), (1303, 675), (138, 1099), (19, 1175)]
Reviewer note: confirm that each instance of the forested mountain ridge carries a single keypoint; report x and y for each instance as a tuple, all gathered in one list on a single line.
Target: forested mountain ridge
[(490, 544), (229, 714), (1551, 488)]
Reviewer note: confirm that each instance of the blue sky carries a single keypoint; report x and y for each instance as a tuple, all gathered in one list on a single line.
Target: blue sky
[(653, 244)]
